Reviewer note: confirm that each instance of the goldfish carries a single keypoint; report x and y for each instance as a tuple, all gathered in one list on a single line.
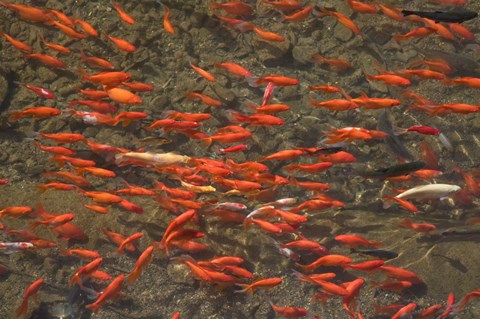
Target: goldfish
[(60, 16), (122, 44), (268, 35), (402, 202), (237, 24), (203, 73), (343, 19), (29, 13), (361, 7), (77, 162), (96, 171), (327, 261), (306, 245), (111, 79), (123, 15), (86, 270), (370, 265), (278, 80), (72, 33), (37, 112), (299, 15), (425, 228), (129, 240), (53, 221), (234, 68), (54, 185), (405, 311), (308, 168), (127, 117), (420, 32), (110, 293), (372, 103), (390, 11), (258, 119), (94, 94), (289, 312), (397, 286), (352, 133), (142, 262), (17, 44), (87, 27), (336, 65), (261, 283), (138, 86), (95, 62), (54, 46), (204, 98), (335, 105), (355, 241), (401, 274), (118, 239), (102, 197), (233, 7), (82, 253), (31, 291), (284, 5), (47, 60), (15, 211), (97, 209), (123, 96), (389, 79), (98, 106), (167, 25), (69, 177)]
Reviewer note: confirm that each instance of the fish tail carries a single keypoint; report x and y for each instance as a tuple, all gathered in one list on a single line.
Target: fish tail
[(22, 309), (398, 130), (132, 277), (207, 141), (376, 244), (388, 201), (246, 288), (94, 307), (15, 116), (400, 37), (407, 223), (252, 81)]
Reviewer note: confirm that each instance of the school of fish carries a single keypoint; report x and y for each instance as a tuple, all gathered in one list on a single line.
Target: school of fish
[(233, 182)]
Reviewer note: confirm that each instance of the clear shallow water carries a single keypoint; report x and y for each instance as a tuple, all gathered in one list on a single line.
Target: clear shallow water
[(446, 263)]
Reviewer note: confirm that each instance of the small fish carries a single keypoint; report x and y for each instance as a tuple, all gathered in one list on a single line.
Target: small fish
[(454, 16), (378, 253)]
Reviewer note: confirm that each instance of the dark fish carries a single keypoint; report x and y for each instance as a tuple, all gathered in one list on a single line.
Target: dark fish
[(444, 16), (378, 253), (395, 170), (392, 140)]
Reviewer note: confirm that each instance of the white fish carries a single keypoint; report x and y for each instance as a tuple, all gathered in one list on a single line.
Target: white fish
[(153, 159), (429, 191), (14, 247)]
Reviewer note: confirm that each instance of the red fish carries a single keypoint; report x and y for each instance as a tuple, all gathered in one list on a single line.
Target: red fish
[(110, 293), (31, 291)]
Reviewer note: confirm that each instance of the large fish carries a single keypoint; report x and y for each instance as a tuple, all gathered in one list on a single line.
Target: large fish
[(453, 16), (429, 191), (396, 170)]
